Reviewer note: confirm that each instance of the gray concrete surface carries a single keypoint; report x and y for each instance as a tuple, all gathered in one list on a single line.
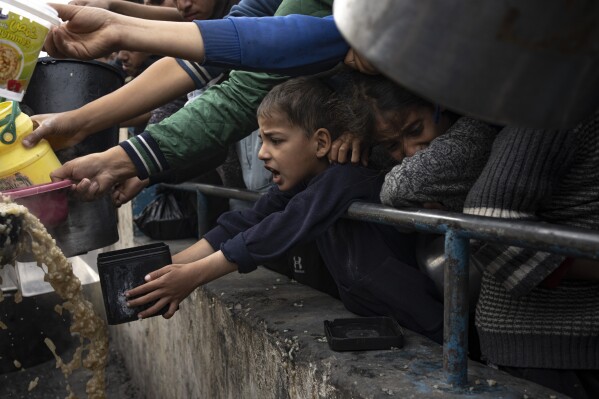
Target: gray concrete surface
[(261, 336)]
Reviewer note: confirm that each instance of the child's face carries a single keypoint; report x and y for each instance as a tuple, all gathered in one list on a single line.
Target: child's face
[(288, 152), (415, 134), (196, 9), (132, 61)]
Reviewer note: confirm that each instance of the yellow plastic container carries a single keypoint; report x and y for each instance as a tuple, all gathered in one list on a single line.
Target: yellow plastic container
[(20, 166)]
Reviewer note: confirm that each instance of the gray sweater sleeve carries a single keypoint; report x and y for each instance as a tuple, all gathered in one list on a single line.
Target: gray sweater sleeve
[(445, 171)]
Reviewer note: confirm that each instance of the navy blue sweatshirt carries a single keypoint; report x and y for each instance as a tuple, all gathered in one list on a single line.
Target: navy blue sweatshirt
[(373, 265)]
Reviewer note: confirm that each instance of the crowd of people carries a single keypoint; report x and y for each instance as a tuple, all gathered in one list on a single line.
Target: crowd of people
[(275, 82)]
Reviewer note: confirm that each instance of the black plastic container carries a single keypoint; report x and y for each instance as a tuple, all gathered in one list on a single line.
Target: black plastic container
[(64, 85), (363, 333), (125, 269)]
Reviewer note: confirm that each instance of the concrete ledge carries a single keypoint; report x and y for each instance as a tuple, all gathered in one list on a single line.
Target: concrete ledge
[(261, 336)]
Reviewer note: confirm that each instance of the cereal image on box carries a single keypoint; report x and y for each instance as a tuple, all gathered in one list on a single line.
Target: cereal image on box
[(11, 62)]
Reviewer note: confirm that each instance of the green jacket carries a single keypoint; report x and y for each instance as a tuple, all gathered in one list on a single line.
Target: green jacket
[(201, 132)]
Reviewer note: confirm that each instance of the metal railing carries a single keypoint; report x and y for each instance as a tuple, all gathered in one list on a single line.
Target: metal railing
[(459, 229)]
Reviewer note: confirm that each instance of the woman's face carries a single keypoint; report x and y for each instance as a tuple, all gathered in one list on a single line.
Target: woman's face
[(412, 134)]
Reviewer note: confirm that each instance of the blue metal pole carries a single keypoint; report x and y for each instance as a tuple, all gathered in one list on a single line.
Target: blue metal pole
[(455, 325)]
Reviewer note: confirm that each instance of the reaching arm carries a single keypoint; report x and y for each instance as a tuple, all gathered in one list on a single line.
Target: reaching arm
[(91, 33), (222, 115), (133, 9), (197, 251), (171, 284), (253, 238), (254, 44), (162, 82)]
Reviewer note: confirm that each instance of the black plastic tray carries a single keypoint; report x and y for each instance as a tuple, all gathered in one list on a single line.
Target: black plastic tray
[(125, 269), (363, 333)]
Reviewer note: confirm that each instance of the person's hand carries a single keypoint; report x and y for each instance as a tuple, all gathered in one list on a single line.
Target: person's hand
[(90, 33), (168, 286), (348, 147), (95, 174), (127, 190), (105, 4), (59, 129), (356, 61), (173, 283)]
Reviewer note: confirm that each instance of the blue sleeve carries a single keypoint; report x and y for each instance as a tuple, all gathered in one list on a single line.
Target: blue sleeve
[(306, 216), (245, 8), (293, 44), (230, 224)]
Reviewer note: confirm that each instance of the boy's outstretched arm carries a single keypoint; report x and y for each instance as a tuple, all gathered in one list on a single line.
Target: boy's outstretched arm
[(197, 251), (133, 9), (93, 32), (173, 283)]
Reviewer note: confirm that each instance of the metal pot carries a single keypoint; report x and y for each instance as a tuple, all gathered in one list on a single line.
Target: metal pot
[(529, 63), (64, 85)]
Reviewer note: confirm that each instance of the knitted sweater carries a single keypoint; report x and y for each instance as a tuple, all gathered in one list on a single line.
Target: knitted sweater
[(550, 176), (445, 171)]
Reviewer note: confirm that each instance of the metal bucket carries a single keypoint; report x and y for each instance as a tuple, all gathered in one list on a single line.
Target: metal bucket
[(529, 63), (64, 85)]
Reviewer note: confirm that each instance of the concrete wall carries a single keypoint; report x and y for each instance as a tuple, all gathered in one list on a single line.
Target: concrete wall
[(261, 336)]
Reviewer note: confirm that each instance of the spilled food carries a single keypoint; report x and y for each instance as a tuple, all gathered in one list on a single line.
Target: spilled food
[(92, 352)]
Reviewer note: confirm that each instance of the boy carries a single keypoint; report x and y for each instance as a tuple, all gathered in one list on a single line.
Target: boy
[(372, 264)]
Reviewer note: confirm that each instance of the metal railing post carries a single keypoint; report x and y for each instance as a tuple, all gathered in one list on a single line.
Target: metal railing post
[(455, 323)]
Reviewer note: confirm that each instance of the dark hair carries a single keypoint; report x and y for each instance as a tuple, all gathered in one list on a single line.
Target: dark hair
[(308, 103), (372, 96)]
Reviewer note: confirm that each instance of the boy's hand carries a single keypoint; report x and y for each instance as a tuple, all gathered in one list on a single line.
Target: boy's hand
[(90, 33), (127, 190), (348, 148), (59, 129), (95, 174), (168, 286), (173, 283)]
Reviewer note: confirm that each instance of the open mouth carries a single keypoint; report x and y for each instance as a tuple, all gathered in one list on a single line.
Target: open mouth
[(276, 176)]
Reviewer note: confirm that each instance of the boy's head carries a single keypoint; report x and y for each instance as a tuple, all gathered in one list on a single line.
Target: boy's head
[(401, 121), (133, 62), (198, 9), (298, 121)]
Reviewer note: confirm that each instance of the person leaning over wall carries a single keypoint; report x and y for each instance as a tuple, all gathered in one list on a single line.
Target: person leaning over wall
[(299, 120)]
